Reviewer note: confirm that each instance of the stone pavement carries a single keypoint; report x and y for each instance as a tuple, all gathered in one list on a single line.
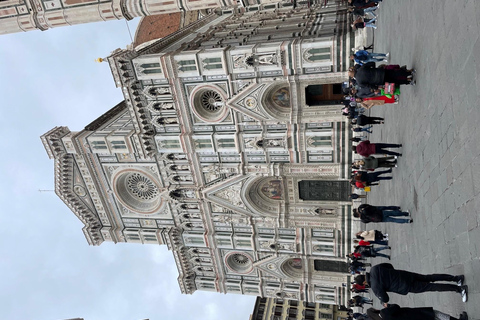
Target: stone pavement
[(437, 121)]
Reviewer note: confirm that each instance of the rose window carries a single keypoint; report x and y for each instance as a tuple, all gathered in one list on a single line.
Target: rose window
[(142, 187), (138, 191), (209, 105), (240, 262), (211, 101)]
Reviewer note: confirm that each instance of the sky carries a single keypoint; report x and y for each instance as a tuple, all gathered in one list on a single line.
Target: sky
[(48, 270)]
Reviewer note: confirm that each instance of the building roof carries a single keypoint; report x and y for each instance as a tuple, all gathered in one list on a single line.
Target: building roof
[(157, 26)]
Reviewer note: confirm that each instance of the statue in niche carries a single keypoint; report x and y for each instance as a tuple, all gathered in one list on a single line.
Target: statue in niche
[(270, 143), (196, 225), (173, 156), (261, 59), (165, 120), (179, 167), (187, 206), (183, 178), (325, 211), (159, 91), (163, 106)]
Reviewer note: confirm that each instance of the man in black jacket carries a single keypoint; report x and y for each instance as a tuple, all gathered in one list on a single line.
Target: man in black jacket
[(368, 213), (383, 278)]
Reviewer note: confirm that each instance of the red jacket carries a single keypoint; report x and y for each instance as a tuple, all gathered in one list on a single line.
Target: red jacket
[(363, 243), (365, 148)]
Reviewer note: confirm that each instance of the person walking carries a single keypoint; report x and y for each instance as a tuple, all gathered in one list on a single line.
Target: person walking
[(368, 213), (370, 76), (363, 179), (364, 129), (372, 236), (355, 196), (369, 252), (395, 312), (384, 278), (361, 23), (372, 251), (363, 120), (359, 301), (372, 163), (367, 243), (363, 56), (366, 148)]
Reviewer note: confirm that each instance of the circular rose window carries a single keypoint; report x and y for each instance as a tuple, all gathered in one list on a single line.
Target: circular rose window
[(138, 191), (209, 105), (239, 262)]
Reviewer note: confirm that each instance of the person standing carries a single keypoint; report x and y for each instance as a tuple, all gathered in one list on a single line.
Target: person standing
[(384, 278), (372, 163), (372, 236), (368, 213), (366, 148), (363, 120), (370, 76), (395, 312), (363, 56), (363, 179)]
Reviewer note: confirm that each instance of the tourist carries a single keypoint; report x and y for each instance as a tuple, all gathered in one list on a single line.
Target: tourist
[(363, 56), (363, 179), (368, 213), (370, 76), (384, 278), (372, 163), (366, 148), (395, 312), (363, 120), (359, 301), (361, 23), (372, 236), (364, 129)]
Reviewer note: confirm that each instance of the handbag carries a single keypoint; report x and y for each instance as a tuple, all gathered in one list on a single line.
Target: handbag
[(389, 88)]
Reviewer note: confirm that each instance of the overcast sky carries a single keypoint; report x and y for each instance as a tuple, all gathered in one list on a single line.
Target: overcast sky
[(48, 270)]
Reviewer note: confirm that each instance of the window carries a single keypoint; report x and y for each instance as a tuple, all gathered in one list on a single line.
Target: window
[(318, 141), (118, 145), (226, 143), (212, 63), (169, 144), (187, 65), (318, 54), (98, 145), (149, 68), (203, 143)]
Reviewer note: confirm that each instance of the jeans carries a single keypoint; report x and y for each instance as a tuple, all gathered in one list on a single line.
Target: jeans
[(380, 249), (370, 22), (375, 176), (379, 148), (389, 214), (423, 283), (382, 242)]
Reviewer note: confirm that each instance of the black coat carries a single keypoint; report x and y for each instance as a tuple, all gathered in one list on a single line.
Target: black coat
[(394, 312), (369, 76), (369, 213), (384, 278)]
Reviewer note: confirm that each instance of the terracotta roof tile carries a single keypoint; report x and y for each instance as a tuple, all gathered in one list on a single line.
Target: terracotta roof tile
[(157, 26)]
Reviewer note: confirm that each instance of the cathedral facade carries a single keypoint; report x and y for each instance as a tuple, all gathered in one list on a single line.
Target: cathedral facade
[(229, 148)]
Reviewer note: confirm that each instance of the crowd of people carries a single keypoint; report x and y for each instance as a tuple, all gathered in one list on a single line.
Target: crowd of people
[(371, 85)]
